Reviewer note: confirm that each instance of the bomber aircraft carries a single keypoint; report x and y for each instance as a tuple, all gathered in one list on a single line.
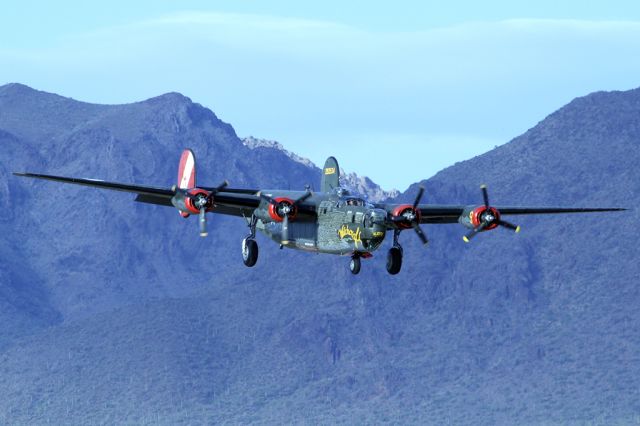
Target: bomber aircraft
[(330, 221)]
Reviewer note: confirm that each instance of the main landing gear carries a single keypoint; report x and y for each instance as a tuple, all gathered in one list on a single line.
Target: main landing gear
[(394, 257), (249, 245)]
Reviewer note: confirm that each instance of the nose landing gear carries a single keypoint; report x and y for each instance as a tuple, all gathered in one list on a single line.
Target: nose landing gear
[(354, 265)]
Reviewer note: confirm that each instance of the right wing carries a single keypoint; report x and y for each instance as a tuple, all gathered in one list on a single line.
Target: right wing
[(230, 201)]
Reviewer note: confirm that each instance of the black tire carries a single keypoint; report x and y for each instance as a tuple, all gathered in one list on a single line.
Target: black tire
[(394, 260), (354, 265), (249, 252)]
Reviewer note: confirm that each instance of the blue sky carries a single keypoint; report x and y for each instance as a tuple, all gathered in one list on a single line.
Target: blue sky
[(395, 91)]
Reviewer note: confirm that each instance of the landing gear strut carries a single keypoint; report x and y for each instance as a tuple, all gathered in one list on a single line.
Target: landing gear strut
[(354, 265), (249, 245), (394, 257)]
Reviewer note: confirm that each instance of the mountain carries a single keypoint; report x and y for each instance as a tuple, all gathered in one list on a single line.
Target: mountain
[(257, 143), (116, 312), (356, 184)]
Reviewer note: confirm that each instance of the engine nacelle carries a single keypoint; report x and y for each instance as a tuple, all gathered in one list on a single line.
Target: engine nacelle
[(188, 201), (473, 216), (277, 211), (405, 211)]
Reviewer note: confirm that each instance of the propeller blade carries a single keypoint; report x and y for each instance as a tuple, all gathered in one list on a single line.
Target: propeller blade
[(222, 186), (467, 238), (202, 220), (418, 197), (303, 198), (509, 225), (421, 234), (269, 200), (285, 229), (485, 195)]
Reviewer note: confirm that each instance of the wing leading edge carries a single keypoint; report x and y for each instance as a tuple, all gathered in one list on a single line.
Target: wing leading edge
[(451, 214), (229, 201)]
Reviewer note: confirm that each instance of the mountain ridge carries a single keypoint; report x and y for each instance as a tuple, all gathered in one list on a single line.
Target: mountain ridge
[(528, 328), (361, 185)]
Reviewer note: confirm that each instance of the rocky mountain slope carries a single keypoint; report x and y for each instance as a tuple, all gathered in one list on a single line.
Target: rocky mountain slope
[(116, 312), (356, 184)]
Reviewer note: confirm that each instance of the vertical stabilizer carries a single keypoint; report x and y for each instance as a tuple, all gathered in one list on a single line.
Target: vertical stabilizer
[(330, 175), (187, 170)]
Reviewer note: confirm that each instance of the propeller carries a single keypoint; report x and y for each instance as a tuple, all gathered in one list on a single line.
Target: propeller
[(202, 221), (411, 218), (220, 187), (284, 209), (202, 201), (489, 218)]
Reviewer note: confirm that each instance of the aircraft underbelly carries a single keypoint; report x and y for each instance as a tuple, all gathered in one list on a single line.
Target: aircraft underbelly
[(302, 235), (330, 234), (311, 236)]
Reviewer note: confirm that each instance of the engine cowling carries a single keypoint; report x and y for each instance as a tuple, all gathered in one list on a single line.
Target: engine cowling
[(472, 217), (282, 206), (405, 215), (196, 196), (189, 201), (483, 218)]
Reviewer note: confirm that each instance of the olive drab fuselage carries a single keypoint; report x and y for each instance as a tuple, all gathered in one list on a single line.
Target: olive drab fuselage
[(342, 224)]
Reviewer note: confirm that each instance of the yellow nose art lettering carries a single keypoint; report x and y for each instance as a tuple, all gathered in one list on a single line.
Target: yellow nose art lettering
[(346, 232)]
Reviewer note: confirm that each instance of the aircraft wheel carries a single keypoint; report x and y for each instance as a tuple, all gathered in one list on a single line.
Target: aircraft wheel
[(354, 265), (249, 252), (394, 260)]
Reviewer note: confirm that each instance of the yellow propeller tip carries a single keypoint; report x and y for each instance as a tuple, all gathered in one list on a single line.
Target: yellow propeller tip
[(204, 234), (483, 186), (517, 229), (465, 239)]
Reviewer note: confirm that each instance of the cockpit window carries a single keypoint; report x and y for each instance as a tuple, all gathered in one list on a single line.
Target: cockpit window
[(354, 202)]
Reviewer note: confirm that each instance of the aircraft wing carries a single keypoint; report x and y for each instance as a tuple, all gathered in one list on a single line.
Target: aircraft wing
[(450, 214), (229, 201)]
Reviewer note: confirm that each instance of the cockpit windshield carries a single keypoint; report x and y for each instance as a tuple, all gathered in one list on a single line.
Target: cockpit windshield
[(353, 201)]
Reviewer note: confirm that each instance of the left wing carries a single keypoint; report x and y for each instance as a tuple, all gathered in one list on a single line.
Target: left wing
[(434, 213), (478, 218), (417, 213), (451, 214)]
